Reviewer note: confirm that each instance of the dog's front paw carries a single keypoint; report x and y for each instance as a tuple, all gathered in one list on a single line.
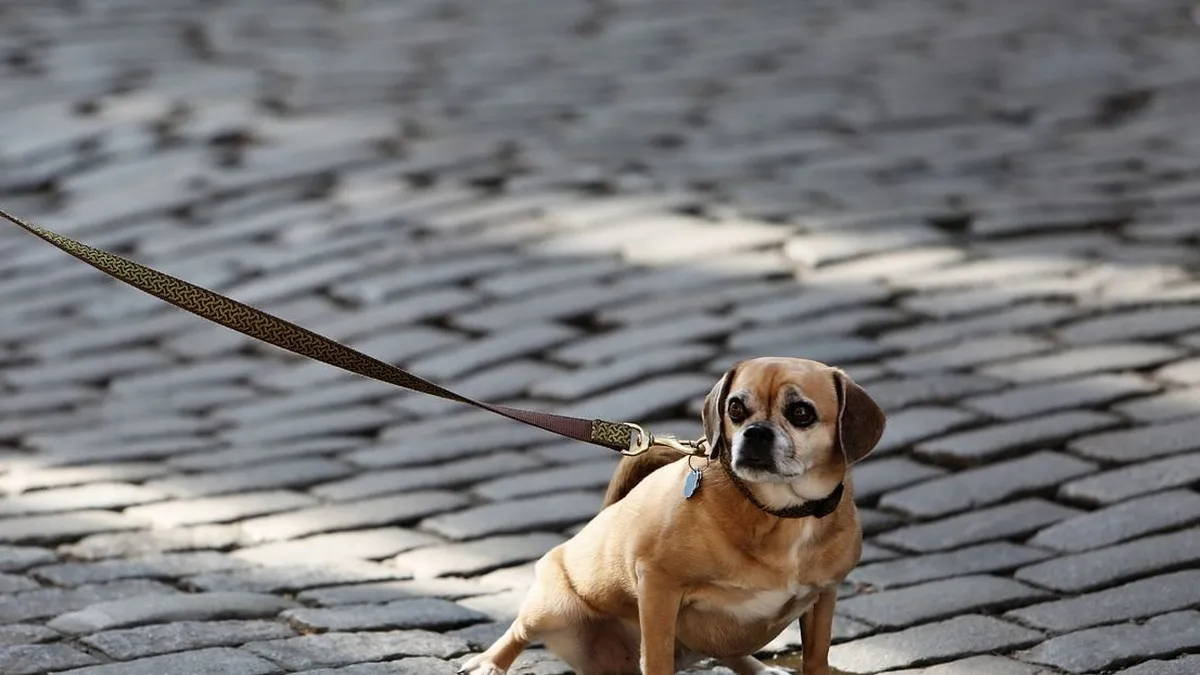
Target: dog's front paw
[(479, 665)]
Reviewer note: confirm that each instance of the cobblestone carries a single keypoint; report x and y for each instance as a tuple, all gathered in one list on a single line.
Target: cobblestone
[(35, 659), (224, 509), (134, 643), (425, 613), (55, 528), (997, 522), (1100, 648), (1135, 600), (1057, 395), (1139, 444), (902, 571), (944, 640), (597, 221), (937, 599), (294, 577), (365, 544), (216, 661), (350, 515), (136, 611), (516, 515), (476, 557), (1122, 521), (995, 441), (169, 566), (1120, 484), (338, 649), (986, 485)]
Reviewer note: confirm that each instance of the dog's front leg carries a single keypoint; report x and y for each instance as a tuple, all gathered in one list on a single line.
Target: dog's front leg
[(658, 613), (816, 629)]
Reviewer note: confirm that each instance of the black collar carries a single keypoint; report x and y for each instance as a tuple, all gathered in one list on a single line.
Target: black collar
[(818, 508)]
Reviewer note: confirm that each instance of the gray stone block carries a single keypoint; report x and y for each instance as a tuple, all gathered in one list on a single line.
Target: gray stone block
[(1130, 481), (1135, 600), (937, 599), (1184, 665), (906, 427), (338, 649), (374, 512), (873, 477), (153, 542), (593, 379), (292, 473), (169, 566), (552, 511), (1135, 324), (25, 634), (998, 522), (37, 659), (986, 485), (145, 609), (578, 476), (449, 474), (1141, 443), (1081, 392), (978, 665), (372, 544), (48, 602), (449, 588), (11, 583), (295, 577), (968, 354), (476, 557), (1100, 648), (181, 636), (1092, 569), (1083, 361), (1122, 521), (216, 661), (901, 392), (960, 636), (633, 339), (411, 666), (997, 440), (1172, 404), (902, 571), (57, 528), (223, 509), (425, 613), (18, 558)]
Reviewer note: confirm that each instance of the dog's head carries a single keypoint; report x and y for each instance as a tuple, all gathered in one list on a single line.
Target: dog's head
[(784, 419)]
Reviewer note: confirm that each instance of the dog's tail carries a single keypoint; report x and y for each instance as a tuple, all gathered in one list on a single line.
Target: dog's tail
[(633, 470)]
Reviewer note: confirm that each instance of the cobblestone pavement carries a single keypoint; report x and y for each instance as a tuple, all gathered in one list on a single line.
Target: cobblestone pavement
[(983, 210)]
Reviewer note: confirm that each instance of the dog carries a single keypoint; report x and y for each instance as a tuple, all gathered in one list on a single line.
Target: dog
[(658, 581)]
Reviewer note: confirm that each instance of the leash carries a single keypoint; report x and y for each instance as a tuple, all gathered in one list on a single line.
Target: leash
[(624, 437)]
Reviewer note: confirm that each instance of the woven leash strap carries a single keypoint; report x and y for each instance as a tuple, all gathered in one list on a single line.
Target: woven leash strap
[(286, 335)]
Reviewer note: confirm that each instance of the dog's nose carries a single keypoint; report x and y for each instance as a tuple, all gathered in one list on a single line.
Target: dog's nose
[(759, 434)]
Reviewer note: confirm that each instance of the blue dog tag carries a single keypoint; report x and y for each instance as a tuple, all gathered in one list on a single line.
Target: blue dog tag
[(691, 484)]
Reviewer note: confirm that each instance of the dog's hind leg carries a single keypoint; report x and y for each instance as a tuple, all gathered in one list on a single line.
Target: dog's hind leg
[(546, 610)]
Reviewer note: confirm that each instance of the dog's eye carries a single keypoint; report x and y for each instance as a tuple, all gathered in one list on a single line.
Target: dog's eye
[(736, 411), (802, 414)]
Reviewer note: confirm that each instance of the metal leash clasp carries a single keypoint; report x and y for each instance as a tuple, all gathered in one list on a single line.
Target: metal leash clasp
[(643, 440)]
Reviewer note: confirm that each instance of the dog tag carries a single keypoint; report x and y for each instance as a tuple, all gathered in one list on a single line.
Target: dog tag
[(691, 484)]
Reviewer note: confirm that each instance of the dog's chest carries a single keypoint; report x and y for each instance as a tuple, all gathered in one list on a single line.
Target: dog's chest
[(759, 605)]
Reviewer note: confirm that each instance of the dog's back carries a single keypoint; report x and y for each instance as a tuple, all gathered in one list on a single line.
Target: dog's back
[(633, 470)]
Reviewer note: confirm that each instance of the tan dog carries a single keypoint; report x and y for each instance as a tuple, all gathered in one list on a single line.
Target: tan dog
[(763, 540)]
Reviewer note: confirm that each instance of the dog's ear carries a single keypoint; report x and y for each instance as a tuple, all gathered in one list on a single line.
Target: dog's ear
[(713, 414), (860, 419)]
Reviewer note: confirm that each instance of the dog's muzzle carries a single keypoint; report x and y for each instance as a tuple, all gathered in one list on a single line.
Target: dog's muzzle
[(756, 451)]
